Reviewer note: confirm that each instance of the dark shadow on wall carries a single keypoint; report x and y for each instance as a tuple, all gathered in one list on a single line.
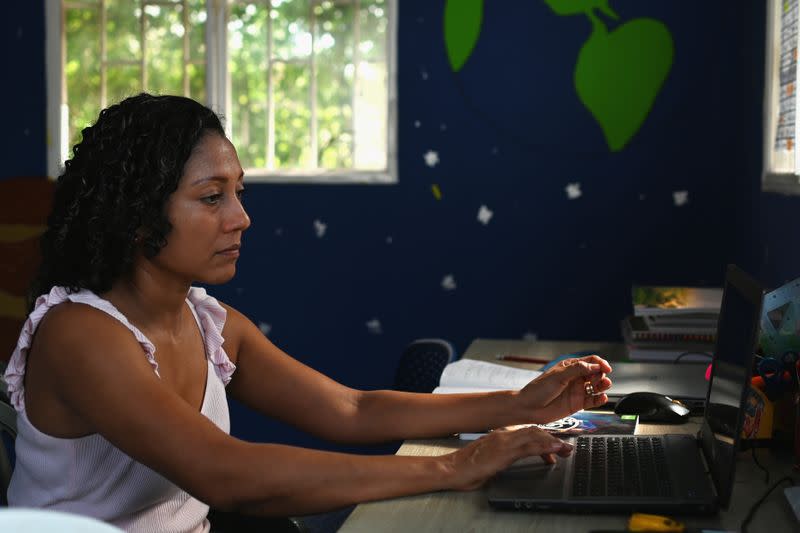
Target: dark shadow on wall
[(22, 221)]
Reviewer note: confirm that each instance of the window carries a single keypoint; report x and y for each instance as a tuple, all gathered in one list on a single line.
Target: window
[(307, 87), (781, 168)]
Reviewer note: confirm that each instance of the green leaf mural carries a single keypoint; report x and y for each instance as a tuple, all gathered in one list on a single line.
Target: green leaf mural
[(620, 73), (579, 7), (462, 26)]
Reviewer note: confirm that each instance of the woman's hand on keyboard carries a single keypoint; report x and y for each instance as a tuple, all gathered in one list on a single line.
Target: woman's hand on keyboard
[(481, 459)]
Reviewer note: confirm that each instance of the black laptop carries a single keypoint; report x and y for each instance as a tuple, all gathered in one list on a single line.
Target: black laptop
[(680, 474)]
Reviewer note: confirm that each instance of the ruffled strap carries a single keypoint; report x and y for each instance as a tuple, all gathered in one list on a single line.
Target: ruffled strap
[(212, 319), (15, 372)]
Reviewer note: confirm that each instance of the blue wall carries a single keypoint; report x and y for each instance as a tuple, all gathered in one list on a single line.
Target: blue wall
[(779, 245), (511, 135), (23, 141)]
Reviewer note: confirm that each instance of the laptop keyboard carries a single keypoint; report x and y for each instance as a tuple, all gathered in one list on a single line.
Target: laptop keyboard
[(620, 466)]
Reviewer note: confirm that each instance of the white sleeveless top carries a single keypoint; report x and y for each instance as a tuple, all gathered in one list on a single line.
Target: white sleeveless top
[(89, 475)]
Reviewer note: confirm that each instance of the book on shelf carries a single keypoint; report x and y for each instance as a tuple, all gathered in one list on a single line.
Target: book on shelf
[(700, 304), (636, 330), (671, 323), (670, 354), (470, 375), (648, 340), (687, 323)]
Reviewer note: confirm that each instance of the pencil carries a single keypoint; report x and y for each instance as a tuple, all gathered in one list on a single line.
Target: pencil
[(523, 359)]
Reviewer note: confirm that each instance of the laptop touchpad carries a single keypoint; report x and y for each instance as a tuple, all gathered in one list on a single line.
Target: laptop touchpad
[(532, 476)]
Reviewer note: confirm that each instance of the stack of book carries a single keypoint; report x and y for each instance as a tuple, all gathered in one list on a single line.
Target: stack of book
[(672, 322)]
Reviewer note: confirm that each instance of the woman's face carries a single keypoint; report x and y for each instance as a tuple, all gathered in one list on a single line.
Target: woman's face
[(206, 214)]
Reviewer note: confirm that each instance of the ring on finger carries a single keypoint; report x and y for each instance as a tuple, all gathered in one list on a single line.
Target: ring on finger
[(588, 388)]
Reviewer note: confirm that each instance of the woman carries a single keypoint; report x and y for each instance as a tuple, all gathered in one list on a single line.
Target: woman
[(121, 371)]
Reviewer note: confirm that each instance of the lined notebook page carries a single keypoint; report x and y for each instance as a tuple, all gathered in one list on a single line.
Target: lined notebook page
[(469, 375)]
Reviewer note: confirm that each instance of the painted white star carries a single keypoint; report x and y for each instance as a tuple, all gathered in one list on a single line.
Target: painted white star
[(530, 336), (389, 240), (265, 328), (424, 75), (680, 198), (374, 326), (442, 127), (485, 215), (320, 228), (417, 123), (431, 158), (573, 190), (449, 283), (278, 231)]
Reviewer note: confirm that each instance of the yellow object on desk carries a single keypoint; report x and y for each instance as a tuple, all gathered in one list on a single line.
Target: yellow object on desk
[(653, 522), (759, 414)]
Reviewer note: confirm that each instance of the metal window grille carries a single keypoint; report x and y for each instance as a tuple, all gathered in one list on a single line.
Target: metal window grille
[(218, 80)]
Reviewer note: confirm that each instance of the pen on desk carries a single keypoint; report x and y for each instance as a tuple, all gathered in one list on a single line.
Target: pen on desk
[(523, 359)]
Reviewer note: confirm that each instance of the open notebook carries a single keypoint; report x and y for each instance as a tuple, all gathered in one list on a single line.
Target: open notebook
[(469, 375)]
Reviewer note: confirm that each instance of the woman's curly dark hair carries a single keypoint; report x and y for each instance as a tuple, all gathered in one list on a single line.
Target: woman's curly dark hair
[(115, 188)]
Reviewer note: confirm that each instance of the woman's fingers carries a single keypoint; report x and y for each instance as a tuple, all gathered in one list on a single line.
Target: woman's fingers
[(594, 363), (600, 382), (575, 368), (535, 441), (554, 445), (566, 450), (596, 359), (595, 401)]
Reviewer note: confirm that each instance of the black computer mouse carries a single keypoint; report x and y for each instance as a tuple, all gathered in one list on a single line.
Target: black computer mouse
[(652, 408)]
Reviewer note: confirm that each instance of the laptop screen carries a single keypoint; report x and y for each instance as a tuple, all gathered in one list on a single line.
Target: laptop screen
[(732, 364)]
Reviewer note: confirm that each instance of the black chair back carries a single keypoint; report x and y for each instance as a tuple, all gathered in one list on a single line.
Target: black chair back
[(421, 365), (8, 432)]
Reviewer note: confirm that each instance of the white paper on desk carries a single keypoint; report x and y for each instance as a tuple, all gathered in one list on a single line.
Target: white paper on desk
[(461, 390), (479, 434), (469, 375)]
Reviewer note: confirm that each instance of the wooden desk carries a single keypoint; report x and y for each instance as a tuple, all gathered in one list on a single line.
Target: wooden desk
[(469, 511)]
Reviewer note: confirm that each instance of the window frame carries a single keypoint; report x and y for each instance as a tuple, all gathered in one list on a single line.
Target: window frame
[(218, 98), (773, 180)]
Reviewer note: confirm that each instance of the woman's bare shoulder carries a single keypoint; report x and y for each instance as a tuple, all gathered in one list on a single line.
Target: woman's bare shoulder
[(75, 347), (76, 330), (76, 320)]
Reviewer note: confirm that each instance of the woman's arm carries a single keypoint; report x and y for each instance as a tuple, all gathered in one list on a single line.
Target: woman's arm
[(105, 380), (275, 384)]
